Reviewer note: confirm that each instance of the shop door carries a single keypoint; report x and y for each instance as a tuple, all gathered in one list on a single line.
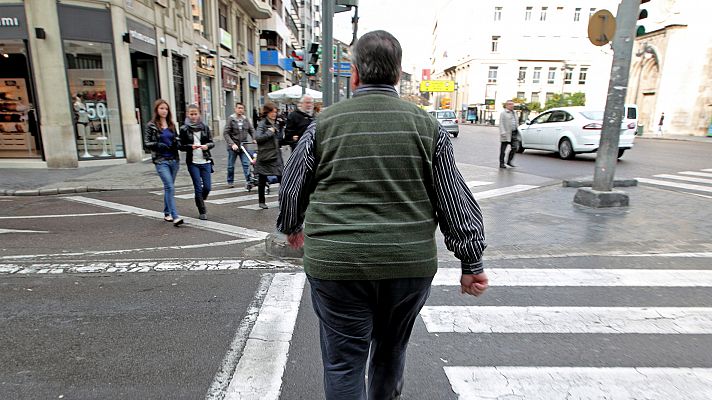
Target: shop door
[(229, 103), (179, 88), (143, 70), (19, 133)]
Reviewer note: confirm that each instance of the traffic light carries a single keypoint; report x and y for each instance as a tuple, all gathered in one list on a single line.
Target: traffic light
[(313, 59), (298, 59), (640, 30)]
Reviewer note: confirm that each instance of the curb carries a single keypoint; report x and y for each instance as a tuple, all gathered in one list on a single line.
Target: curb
[(579, 183), (51, 191)]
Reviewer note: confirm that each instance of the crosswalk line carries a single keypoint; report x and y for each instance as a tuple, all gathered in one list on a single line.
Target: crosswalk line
[(212, 193), (563, 383), (271, 204), (684, 178), (695, 173), (502, 191), (707, 170), (472, 184), (229, 200), (678, 185), (536, 319), (583, 277)]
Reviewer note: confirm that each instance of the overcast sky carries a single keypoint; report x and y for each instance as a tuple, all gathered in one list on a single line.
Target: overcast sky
[(411, 22)]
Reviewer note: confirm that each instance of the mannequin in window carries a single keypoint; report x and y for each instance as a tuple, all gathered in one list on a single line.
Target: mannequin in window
[(81, 118)]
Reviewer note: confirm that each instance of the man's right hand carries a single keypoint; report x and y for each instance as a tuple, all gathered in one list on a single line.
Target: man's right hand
[(234, 147), (474, 285)]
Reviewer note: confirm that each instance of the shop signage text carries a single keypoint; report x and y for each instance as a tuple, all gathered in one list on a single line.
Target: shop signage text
[(142, 37), (205, 65), (9, 21)]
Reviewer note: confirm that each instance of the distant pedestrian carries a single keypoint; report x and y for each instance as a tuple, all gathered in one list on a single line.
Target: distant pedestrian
[(238, 133), (195, 139), (162, 139), (660, 124), (298, 120), (508, 134), (269, 155), (372, 178)]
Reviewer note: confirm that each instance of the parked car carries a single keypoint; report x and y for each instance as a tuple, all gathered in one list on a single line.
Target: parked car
[(448, 120), (571, 130)]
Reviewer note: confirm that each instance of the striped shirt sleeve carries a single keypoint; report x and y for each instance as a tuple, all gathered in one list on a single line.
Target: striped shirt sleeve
[(295, 188), (458, 213)]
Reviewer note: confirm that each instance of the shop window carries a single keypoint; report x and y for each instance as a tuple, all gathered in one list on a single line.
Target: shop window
[(199, 12), (94, 99)]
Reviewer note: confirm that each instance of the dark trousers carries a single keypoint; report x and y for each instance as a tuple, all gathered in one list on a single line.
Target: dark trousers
[(261, 183), (366, 322), (514, 145), (200, 175)]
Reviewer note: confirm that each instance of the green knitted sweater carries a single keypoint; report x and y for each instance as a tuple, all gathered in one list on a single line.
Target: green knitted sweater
[(371, 213)]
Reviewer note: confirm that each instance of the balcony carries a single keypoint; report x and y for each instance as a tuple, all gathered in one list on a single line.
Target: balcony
[(257, 9), (272, 64)]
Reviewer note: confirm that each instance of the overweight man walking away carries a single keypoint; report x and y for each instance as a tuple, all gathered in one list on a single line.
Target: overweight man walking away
[(370, 180)]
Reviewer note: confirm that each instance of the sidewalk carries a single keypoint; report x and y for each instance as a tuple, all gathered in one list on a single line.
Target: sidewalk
[(687, 138)]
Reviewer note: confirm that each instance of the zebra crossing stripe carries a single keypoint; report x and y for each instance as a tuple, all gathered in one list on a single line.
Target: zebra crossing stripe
[(502, 191), (678, 185), (259, 372), (472, 184), (695, 173), (212, 193), (563, 383), (536, 319), (272, 204), (583, 277), (708, 170), (228, 200), (684, 178)]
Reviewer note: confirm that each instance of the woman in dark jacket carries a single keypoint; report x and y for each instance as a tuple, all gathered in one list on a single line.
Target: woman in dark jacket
[(162, 139), (196, 141), (269, 155)]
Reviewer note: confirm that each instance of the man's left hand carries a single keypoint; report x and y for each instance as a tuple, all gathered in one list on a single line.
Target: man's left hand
[(296, 240)]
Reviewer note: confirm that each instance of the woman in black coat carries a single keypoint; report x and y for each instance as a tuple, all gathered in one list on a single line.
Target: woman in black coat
[(269, 155)]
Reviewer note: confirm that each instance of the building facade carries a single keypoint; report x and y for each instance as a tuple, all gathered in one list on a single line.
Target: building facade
[(495, 51), (78, 78), (671, 70)]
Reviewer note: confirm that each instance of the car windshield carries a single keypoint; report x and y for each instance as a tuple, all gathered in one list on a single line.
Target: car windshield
[(446, 115), (594, 115)]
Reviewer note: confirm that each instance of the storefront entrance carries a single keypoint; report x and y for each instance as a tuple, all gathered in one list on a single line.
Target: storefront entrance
[(19, 135), (145, 84), (179, 87)]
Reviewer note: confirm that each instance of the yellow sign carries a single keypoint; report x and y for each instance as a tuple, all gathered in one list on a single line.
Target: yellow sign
[(601, 27), (437, 86)]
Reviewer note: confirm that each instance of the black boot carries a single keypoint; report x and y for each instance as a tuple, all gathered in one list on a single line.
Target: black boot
[(200, 203)]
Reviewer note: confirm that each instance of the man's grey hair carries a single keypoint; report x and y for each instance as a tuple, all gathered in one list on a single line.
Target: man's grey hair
[(377, 57), (306, 96)]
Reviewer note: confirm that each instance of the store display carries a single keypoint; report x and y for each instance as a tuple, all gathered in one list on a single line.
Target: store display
[(14, 128)]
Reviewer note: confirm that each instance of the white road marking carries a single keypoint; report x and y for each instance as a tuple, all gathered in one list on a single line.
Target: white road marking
[(20, 231), (695, 173), (502, 191), (609, 320), (213, 193), (228, 200), (684, 178), (472, 184), (271, 204), (708, 170), (206, 225), (140, 266), (65, 215), (258, 375), (583, 277), (564, 383), (678, 185), (227, 367)]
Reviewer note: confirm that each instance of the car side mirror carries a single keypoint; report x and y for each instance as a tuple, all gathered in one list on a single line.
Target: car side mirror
[(528, 122)]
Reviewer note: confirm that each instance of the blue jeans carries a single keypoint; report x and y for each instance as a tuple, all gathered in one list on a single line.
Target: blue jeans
[(168, 170), (231, 158), (200, 174)]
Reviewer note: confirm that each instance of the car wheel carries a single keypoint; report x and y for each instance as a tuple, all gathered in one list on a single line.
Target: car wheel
[(621, 152), (566, 150), (455, 134)]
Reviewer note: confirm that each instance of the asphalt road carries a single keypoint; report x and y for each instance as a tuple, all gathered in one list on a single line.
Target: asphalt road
[(104, 301)]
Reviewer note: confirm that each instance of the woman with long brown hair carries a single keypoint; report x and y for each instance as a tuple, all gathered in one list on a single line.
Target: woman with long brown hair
[(269, 156), (161, 138)]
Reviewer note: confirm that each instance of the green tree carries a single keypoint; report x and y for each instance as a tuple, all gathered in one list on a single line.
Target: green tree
[(534, 106), (566, 100)]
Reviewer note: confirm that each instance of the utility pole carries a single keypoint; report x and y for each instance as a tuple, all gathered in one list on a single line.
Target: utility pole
[(327, 62), (337, 73), (305, 42), (602, 193)]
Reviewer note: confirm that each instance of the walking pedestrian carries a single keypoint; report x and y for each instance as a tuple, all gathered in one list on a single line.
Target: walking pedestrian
[(238, 132), (660, 124), (269, 155), (298, 120), (372, 177), (195, 139), (161, 139), (508, 134)]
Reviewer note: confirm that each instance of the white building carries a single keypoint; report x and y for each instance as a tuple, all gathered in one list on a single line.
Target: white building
[(671, 71), (499, 50)]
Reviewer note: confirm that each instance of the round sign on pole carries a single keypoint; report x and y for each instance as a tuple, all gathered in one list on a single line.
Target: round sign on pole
[(601, 27)]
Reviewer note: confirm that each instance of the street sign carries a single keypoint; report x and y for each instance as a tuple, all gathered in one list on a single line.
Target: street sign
[(601, 27), (342, 68), (437, 86)]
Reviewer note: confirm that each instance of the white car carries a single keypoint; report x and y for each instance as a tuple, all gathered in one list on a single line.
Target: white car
[(571, 130)]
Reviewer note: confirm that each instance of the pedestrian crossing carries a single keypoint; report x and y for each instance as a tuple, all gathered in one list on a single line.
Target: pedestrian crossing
[(698, 183), (243, 199), (552, 382)]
